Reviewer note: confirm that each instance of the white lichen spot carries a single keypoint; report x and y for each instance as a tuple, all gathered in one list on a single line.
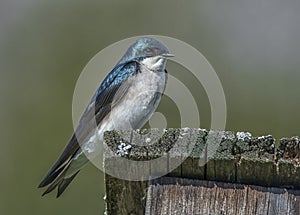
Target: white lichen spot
[(148, 140), (243, 135), (202, 129), (185, 129), (123, 149), (296, 138), (261, 137), (228, 135)]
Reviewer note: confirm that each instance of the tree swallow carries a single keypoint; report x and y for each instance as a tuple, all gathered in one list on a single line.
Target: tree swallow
[(126, 99)]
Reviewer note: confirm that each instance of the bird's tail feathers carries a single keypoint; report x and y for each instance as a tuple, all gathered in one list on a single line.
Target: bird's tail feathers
[(59, 179)]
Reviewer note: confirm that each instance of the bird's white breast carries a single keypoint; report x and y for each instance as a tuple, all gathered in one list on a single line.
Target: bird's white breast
[(135, 108), (140, 101)]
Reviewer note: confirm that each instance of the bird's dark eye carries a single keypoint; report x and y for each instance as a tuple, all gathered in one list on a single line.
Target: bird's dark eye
[(148, 50)]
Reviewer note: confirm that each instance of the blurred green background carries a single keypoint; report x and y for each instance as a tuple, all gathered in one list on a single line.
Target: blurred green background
[(254, 47)]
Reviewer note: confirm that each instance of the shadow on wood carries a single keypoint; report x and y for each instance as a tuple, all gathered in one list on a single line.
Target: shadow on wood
[(179, 196)]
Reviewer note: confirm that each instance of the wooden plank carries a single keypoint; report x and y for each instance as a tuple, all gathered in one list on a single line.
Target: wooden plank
[(222, 164), (124, 197), (257, 161), (287, 172), (239, 158), (126, 189), (192, 160), (127, 196), (186, 196)]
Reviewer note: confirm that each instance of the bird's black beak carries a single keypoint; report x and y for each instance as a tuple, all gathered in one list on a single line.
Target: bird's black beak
[(167, 55)]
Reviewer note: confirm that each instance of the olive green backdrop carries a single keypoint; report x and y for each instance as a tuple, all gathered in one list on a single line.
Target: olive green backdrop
[(254, 47)]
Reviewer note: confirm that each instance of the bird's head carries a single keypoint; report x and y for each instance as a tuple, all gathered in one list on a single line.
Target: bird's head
[(152, 52)]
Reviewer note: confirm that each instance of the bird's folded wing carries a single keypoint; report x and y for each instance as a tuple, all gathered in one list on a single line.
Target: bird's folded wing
[(112, 89)]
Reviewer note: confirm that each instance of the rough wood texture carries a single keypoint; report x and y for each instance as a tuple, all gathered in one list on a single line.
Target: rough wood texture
[(176, 196), (125, 197), (239, 158)]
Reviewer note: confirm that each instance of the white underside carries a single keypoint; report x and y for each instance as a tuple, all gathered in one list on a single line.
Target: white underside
[(135, 108)]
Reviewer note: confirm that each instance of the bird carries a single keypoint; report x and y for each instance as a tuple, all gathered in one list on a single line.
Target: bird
[(126, 99)]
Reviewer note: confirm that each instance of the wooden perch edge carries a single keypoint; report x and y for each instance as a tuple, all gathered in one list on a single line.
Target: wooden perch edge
[(239, 159), (179, 196)]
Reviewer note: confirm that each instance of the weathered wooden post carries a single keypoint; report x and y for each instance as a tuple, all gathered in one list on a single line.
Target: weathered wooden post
[(245, 175)]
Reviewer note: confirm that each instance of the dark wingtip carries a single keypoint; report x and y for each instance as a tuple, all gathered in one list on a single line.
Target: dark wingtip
[(61, 163), (50, 177), (42, 184), (59, 182), (50, 189), (64, 184), (58, 194), (44, 193)]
